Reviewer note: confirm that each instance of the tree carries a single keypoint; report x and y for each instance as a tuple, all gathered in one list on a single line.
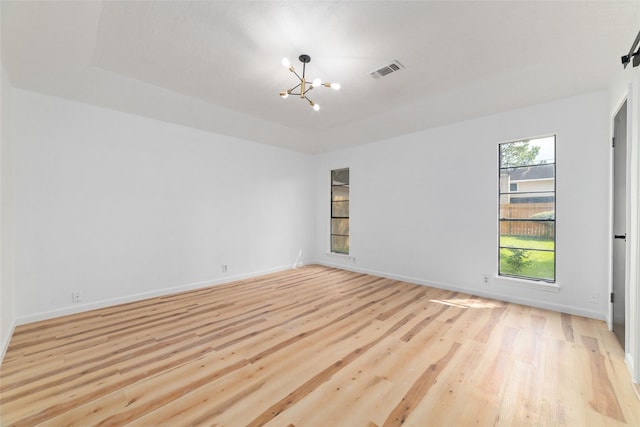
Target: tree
[(518, 154), (516, 260)]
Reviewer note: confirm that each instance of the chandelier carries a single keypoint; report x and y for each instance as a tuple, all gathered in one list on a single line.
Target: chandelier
[(304, 87)]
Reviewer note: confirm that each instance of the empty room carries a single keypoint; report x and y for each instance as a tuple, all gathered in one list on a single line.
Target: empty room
[(320, 213)]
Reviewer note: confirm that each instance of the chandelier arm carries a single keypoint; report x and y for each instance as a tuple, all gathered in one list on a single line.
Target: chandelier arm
[(295, 87), (299, 78)]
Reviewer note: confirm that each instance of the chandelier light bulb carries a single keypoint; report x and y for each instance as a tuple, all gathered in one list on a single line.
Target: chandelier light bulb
[(316, 107), (284, 94), (286, 63), (334, 86), (316, 82)]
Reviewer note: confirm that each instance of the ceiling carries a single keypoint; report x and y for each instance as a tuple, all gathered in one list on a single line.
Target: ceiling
[(216, 66)]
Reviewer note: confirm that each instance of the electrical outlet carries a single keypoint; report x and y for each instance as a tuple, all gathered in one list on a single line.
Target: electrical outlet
[(486, 280), (76, 297), (224, 268)]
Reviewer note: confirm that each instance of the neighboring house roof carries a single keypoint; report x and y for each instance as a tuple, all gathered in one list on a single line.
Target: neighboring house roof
[(532, 172)]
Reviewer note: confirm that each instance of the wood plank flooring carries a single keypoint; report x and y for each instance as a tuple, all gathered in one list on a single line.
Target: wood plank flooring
[(316, 347)]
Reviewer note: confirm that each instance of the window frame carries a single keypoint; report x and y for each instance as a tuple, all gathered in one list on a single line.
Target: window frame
[(508, 191), (333, 249)]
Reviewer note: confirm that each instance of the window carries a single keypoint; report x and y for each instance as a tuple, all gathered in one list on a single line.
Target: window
[(527, 209), (340, 211)]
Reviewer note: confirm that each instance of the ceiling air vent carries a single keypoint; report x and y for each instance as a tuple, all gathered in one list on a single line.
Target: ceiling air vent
[(386, 70)]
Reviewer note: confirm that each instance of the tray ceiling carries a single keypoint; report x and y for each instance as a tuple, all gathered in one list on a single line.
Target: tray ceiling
[(216, 65)]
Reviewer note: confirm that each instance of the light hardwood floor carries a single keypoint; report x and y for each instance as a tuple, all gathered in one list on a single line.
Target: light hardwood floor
[(317, 347)]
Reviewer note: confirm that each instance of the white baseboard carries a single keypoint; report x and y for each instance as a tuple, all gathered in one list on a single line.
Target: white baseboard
[(579, 311), (79, 308), (6, 341), (182, 288), (628, 360)]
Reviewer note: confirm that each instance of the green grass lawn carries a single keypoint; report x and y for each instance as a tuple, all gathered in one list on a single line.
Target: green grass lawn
[(537, 264), (526, 242)]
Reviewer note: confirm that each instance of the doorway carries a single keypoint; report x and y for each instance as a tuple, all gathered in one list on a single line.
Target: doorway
[(618, 264)]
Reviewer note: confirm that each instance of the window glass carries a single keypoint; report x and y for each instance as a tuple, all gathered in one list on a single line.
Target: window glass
[(527, 209)]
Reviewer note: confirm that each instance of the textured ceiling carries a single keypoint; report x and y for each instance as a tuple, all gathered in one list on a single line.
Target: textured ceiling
[(216, 65)]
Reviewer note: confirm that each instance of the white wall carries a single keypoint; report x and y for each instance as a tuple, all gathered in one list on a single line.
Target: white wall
[(424, 206), (120, 207), (7, 313)]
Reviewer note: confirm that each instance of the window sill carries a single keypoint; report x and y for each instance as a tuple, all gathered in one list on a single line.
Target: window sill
[(338, 254), (524, 283), (343, 256)]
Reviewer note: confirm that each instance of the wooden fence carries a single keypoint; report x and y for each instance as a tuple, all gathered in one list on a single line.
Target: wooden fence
[(526, 228)]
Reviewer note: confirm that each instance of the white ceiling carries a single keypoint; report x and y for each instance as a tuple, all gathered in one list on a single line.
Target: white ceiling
[(216, 65)]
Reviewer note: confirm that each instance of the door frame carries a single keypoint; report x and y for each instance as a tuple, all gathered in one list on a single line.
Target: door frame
[(628, 210), (631, 95)]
